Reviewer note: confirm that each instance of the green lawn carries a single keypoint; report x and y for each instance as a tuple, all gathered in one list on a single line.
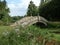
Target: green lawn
[(5, 28)]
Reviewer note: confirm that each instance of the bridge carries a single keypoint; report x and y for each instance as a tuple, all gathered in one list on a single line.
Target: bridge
[(29, 20)]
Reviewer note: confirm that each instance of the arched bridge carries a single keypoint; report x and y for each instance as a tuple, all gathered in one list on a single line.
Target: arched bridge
[(26, 21)]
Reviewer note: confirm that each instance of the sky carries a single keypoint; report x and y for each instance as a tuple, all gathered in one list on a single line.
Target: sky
[(19, 7)]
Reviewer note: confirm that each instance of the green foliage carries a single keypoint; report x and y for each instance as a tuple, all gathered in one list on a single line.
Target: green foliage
[(32, 9), (54, 25), (4, 13), (28, 36), (16, 18), (51, 10), (42, 2)]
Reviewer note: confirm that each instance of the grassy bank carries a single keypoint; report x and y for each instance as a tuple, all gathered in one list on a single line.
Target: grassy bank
[(29, 36)]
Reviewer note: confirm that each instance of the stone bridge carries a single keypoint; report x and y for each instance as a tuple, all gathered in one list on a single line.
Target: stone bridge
[(27, 21)]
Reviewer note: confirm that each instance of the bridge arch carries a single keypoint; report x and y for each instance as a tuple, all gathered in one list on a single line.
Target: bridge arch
[(38, 23), (27, 21)]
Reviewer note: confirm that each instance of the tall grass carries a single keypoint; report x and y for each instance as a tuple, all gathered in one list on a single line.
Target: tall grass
[(29, 36)]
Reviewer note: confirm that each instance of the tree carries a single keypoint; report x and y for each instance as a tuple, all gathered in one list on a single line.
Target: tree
[(32, 9), (16, 18), (4, 12), (51, 10), (47, 0), (42, 2)]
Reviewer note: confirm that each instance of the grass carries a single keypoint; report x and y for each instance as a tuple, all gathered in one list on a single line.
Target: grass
[(5, 28), (57, 37), (28, 36), (54, 24)]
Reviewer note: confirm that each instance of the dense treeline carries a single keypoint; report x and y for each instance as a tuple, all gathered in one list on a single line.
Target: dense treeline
[(49, 9)]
